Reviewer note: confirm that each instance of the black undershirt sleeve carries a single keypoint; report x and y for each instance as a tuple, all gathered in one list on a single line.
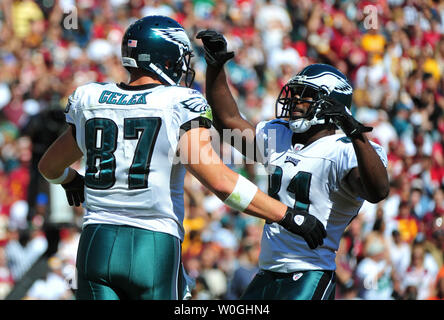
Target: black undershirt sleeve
[(199, 122)]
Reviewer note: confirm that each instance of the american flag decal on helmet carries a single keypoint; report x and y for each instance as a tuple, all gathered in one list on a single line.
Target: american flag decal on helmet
[(132, 43)]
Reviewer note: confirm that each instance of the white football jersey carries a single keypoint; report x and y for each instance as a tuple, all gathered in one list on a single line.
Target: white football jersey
[(310, 178), (129, 136)]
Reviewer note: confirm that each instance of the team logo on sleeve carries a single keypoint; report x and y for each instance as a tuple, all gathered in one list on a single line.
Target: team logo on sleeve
[(195, 104)]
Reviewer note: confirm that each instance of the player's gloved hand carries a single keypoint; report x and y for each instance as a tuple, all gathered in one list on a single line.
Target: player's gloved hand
[(305, 225), (75, 190), (215, 47), (341, 116)]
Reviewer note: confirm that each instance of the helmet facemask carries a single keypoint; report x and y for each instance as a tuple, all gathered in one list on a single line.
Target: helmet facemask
[(186, 70), (180, 69), (294, 94)]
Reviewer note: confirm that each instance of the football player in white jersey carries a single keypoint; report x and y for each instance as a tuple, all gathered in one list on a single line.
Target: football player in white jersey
[(309, 166), (137, 139)]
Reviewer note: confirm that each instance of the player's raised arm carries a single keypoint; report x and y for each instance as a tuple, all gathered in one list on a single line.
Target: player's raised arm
[(225, 111), (239, 193), (370, 178)]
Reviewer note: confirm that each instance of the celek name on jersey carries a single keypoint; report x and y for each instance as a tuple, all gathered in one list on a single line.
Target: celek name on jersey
[(111, 97)]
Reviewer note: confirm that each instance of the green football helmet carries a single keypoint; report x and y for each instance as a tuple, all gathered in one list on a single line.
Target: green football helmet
[(310, 85), (160, 45)]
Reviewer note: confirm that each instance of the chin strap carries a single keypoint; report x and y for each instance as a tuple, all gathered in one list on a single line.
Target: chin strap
[(302, 125), (162, 74)]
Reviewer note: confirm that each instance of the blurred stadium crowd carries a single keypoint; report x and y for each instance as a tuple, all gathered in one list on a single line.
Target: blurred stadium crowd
[(393, 52)]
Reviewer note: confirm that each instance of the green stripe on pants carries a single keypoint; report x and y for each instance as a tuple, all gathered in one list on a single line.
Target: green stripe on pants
[(124, 262)]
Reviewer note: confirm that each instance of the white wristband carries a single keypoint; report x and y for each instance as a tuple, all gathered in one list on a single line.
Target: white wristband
[(242, 195), (60, 179)]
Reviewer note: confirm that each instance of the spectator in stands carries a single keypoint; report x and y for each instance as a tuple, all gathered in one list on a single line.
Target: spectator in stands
[(53, 287), (399, 252), (23, 249), (6, 279), (375, 273), (244, 273), (418, 275), (438, 293)]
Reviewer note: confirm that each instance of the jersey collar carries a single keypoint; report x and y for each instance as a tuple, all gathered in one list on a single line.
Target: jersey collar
[(125, 86)]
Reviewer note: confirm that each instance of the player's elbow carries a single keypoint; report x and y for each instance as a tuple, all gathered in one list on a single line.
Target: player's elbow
[(377, 188), (46, 169), (220, 187), (221, 184), (43, 167), (214, 177), (383, 193), (383, 189), (378, 194)]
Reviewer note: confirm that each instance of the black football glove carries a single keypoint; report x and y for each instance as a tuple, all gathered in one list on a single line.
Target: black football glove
[(305, 225), (75, 190), (215, 47), (336, 111)]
